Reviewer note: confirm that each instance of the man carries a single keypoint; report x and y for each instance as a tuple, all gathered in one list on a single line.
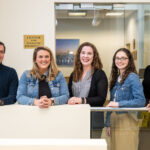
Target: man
[(8, 81)]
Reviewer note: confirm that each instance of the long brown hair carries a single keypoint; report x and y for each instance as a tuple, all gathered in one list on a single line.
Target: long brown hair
[(78, 68), (115, 71), (52, 70)]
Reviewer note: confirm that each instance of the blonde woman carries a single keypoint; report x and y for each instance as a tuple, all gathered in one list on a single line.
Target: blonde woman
[(43, 85)]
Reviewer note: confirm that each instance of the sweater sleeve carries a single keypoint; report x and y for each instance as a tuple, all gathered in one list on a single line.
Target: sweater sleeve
[(98, 90), (12, 88), (70, 85)]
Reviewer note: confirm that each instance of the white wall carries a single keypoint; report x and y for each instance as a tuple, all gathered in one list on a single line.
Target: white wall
[(131, 31), (21, 17)]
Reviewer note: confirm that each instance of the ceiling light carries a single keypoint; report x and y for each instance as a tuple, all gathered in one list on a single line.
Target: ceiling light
[(114, 13), (86, 5), (76, 14), (56, 23), (64, 7), (97, 19), (147, 13), (118, 5), (96, 22)]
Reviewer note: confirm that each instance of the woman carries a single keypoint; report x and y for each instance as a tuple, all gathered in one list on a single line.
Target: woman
[(126, 91), (88, 82), (43, 85), (146, 85)]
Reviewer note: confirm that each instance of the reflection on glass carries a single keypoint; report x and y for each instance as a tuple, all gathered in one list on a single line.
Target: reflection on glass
[(110, 27)]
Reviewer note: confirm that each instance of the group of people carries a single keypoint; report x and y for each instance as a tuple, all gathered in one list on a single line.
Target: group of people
[(44, 85)]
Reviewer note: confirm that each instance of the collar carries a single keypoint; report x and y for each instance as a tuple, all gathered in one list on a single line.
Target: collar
[(44, 76), (1, 65)]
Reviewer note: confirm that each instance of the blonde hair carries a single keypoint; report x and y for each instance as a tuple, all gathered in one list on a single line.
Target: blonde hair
[(52, 70)]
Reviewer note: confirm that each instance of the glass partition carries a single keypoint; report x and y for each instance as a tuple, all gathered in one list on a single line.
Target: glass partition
[(129, 128), (108, 26)]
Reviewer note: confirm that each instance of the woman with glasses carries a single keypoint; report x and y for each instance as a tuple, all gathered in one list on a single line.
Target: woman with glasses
[(125, 91)]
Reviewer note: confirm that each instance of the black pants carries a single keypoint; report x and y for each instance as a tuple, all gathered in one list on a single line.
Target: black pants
[(97, 124)]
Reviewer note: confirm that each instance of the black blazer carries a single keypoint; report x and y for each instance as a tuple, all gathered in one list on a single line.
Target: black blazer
[(146, 82), (98, 90), (96, 97)]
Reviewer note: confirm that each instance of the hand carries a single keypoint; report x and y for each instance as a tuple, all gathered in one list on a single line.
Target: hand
[(37, 102), (108, 131), (148, 107), (74, 100), (1, 103), (113, 104), (43, 102), (46, 102)]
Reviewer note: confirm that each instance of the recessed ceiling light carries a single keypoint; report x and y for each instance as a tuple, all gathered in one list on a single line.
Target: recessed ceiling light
[(76, 14), (114, 13)]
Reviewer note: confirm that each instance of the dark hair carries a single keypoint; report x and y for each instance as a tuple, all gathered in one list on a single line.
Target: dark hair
[(115, 71), (78, 68), (1, 43)]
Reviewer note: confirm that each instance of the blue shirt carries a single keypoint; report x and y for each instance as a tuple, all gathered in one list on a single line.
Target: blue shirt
[(129, 94), (28, 89), (8, 84)]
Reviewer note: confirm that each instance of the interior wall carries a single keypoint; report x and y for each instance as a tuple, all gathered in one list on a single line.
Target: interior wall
[(147, 41), (146, 35), (107, 37), (131, 30), (19, 18), (23, 17)]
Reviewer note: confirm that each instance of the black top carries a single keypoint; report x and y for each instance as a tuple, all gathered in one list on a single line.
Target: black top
[(146, 82), (8, 84), (98, 90), (96, 97), (44, 89)]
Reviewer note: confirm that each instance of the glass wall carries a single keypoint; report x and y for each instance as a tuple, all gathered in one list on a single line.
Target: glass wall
[(108, 26), (129, 128)]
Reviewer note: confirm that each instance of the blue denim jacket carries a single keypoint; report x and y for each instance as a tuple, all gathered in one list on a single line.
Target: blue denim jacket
[(28, 89), (129, 94)]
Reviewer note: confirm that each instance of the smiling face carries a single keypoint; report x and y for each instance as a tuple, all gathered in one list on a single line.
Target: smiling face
[(43, 60), (1, 53), (86, 56), (121, 61)]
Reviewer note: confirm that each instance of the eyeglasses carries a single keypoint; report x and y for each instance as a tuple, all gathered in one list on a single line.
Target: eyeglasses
[(1, 52), (122, 58)]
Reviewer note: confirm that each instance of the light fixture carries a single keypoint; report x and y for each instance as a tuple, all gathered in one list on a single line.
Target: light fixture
[(114, 13), (56, 23), (96, 19), (147, 13), (77, 14), (96, 22), (118, 6)]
